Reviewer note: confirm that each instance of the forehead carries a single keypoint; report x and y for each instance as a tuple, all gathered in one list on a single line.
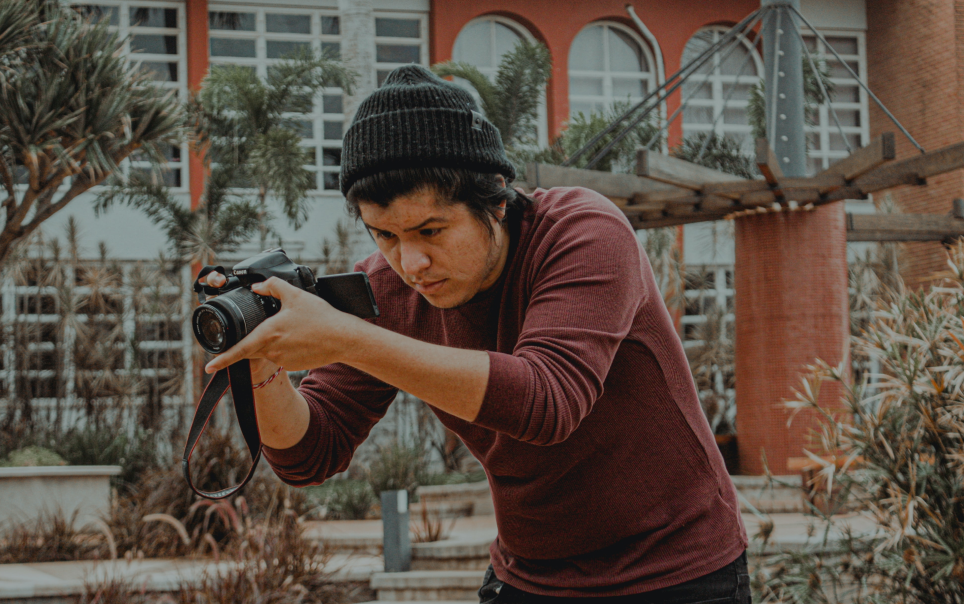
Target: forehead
[(410, 209)]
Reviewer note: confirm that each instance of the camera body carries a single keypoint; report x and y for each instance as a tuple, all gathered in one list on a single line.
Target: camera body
[(222, 322)]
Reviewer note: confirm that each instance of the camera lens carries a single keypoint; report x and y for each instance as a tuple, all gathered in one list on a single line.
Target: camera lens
[(222, 322), (211, 329)]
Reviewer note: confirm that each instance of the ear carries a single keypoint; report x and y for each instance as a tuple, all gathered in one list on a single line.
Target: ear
[(501, 180), (500, 211)]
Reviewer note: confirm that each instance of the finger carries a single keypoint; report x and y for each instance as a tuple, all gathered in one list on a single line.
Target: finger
[(215, 279), (276, 288), (248, 348)]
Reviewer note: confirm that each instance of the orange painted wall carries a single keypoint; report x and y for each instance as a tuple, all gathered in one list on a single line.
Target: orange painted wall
[(557, 23), (197, 67)]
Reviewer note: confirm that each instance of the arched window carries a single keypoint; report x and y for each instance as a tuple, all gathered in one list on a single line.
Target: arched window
[(483, 43), (608, 63), (718, 92)]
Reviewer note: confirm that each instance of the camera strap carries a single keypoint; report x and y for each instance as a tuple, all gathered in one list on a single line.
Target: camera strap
[(237, 377)]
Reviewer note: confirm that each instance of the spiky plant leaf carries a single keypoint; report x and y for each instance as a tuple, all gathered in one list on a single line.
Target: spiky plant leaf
[(71, 106)]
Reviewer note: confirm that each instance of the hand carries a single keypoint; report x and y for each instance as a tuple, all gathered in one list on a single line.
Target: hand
[(261, 369), (306, 333)]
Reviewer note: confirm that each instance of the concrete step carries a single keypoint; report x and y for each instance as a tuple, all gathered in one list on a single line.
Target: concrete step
[(452, 554), (428, 585), (469, 499), (784, 496)]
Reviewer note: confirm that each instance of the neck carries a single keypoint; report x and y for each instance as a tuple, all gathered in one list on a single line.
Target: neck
[(499, 257)]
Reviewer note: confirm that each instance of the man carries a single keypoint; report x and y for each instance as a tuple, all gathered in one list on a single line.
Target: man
[(534, 329)]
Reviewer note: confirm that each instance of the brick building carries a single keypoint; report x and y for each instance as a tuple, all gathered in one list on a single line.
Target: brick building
[(602, 51)]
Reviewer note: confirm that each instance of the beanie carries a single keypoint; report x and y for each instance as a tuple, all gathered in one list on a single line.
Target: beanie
[(416, 119)]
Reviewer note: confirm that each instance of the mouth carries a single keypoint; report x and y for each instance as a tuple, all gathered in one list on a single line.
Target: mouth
[(429, 287)]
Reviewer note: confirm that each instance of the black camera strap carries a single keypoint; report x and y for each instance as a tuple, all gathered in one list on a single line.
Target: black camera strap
[(237, 377)]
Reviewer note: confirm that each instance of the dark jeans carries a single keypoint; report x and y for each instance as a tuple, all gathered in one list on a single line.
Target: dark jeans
[(729, 585)]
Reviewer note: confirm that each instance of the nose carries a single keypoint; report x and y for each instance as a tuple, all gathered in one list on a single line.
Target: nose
[(413, 259)]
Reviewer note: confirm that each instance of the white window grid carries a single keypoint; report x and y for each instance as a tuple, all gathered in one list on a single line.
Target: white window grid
[(384, 44), (322, 129), (714, 293), (490, 68), (825, 144), (850, 100), (166, 24), (23, 305), (719, 105), (583, 102)]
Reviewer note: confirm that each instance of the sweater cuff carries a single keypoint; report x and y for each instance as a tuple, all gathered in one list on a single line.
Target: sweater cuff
[(506, 395), (305, 450)]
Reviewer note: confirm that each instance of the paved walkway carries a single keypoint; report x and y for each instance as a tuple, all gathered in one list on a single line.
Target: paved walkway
[(57, 579)]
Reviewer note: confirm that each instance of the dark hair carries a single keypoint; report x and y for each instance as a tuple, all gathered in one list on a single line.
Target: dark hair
[(480, 193)]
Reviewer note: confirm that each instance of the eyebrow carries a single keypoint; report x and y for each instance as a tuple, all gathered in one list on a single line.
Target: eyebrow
[(414, 228)]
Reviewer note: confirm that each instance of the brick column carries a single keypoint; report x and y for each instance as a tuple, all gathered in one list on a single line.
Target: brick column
[(197, 67), (791, 309), (915, 64), (198, 62)]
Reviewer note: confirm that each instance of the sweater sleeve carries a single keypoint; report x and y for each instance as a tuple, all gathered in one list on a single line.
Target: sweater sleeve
[(586, 289), (344, 404)]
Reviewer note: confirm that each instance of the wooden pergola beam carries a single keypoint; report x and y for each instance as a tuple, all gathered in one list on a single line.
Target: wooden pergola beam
[(766, 161), (903, 227), (679, 172), (880, 150), (621, 188), (668, 191)]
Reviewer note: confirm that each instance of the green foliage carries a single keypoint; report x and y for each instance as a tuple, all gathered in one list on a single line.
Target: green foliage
[(345, 499), (32, 456), (397, 467), (99, 447), (812, 97), (581, 129), (71, 106), (254, 151), (718, 152), (896, 440), (511, 103)]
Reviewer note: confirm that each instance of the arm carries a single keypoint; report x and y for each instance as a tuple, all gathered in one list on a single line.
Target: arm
[(538, 394), (583, 299)]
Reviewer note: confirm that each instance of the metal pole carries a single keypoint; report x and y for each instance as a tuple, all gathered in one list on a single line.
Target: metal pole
[(396, 545), (784, 85)]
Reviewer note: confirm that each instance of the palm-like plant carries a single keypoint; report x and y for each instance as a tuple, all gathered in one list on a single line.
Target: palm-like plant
[(248, 128), (71, 110), (511, 102)]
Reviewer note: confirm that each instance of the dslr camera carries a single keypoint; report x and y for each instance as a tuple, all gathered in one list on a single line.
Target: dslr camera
[(222, 322)]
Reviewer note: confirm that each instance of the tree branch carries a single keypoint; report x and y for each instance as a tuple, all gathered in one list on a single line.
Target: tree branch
[(7, 179)]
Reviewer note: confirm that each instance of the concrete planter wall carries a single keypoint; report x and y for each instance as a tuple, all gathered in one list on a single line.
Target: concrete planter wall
[(26, 493)]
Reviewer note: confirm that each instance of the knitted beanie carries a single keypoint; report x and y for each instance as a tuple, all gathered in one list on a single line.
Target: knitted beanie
[(416, 119)]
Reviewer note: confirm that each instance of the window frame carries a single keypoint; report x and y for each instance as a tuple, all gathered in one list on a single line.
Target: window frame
[(826, 126), (607, 98), (421, 42), (124, 31), (720, 85), (542, 118), (261, 63)]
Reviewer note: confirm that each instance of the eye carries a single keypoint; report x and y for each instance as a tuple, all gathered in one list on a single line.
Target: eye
[(429, 232), (384, 235)]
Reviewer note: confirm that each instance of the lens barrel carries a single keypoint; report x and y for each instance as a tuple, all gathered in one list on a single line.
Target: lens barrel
[(222, 322)]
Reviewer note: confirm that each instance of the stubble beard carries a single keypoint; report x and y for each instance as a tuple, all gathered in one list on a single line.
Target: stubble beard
[(491, 261)]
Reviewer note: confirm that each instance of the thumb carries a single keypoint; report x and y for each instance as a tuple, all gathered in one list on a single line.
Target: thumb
[(276, 288)]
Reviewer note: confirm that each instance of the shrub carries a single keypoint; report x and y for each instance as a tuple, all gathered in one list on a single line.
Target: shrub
[(32, 456), (164, 495), (345, 499), (397, 467), (897, 452), (50, 538)]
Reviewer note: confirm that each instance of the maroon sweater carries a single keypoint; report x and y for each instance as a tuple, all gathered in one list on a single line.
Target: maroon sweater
[(605, 476)]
